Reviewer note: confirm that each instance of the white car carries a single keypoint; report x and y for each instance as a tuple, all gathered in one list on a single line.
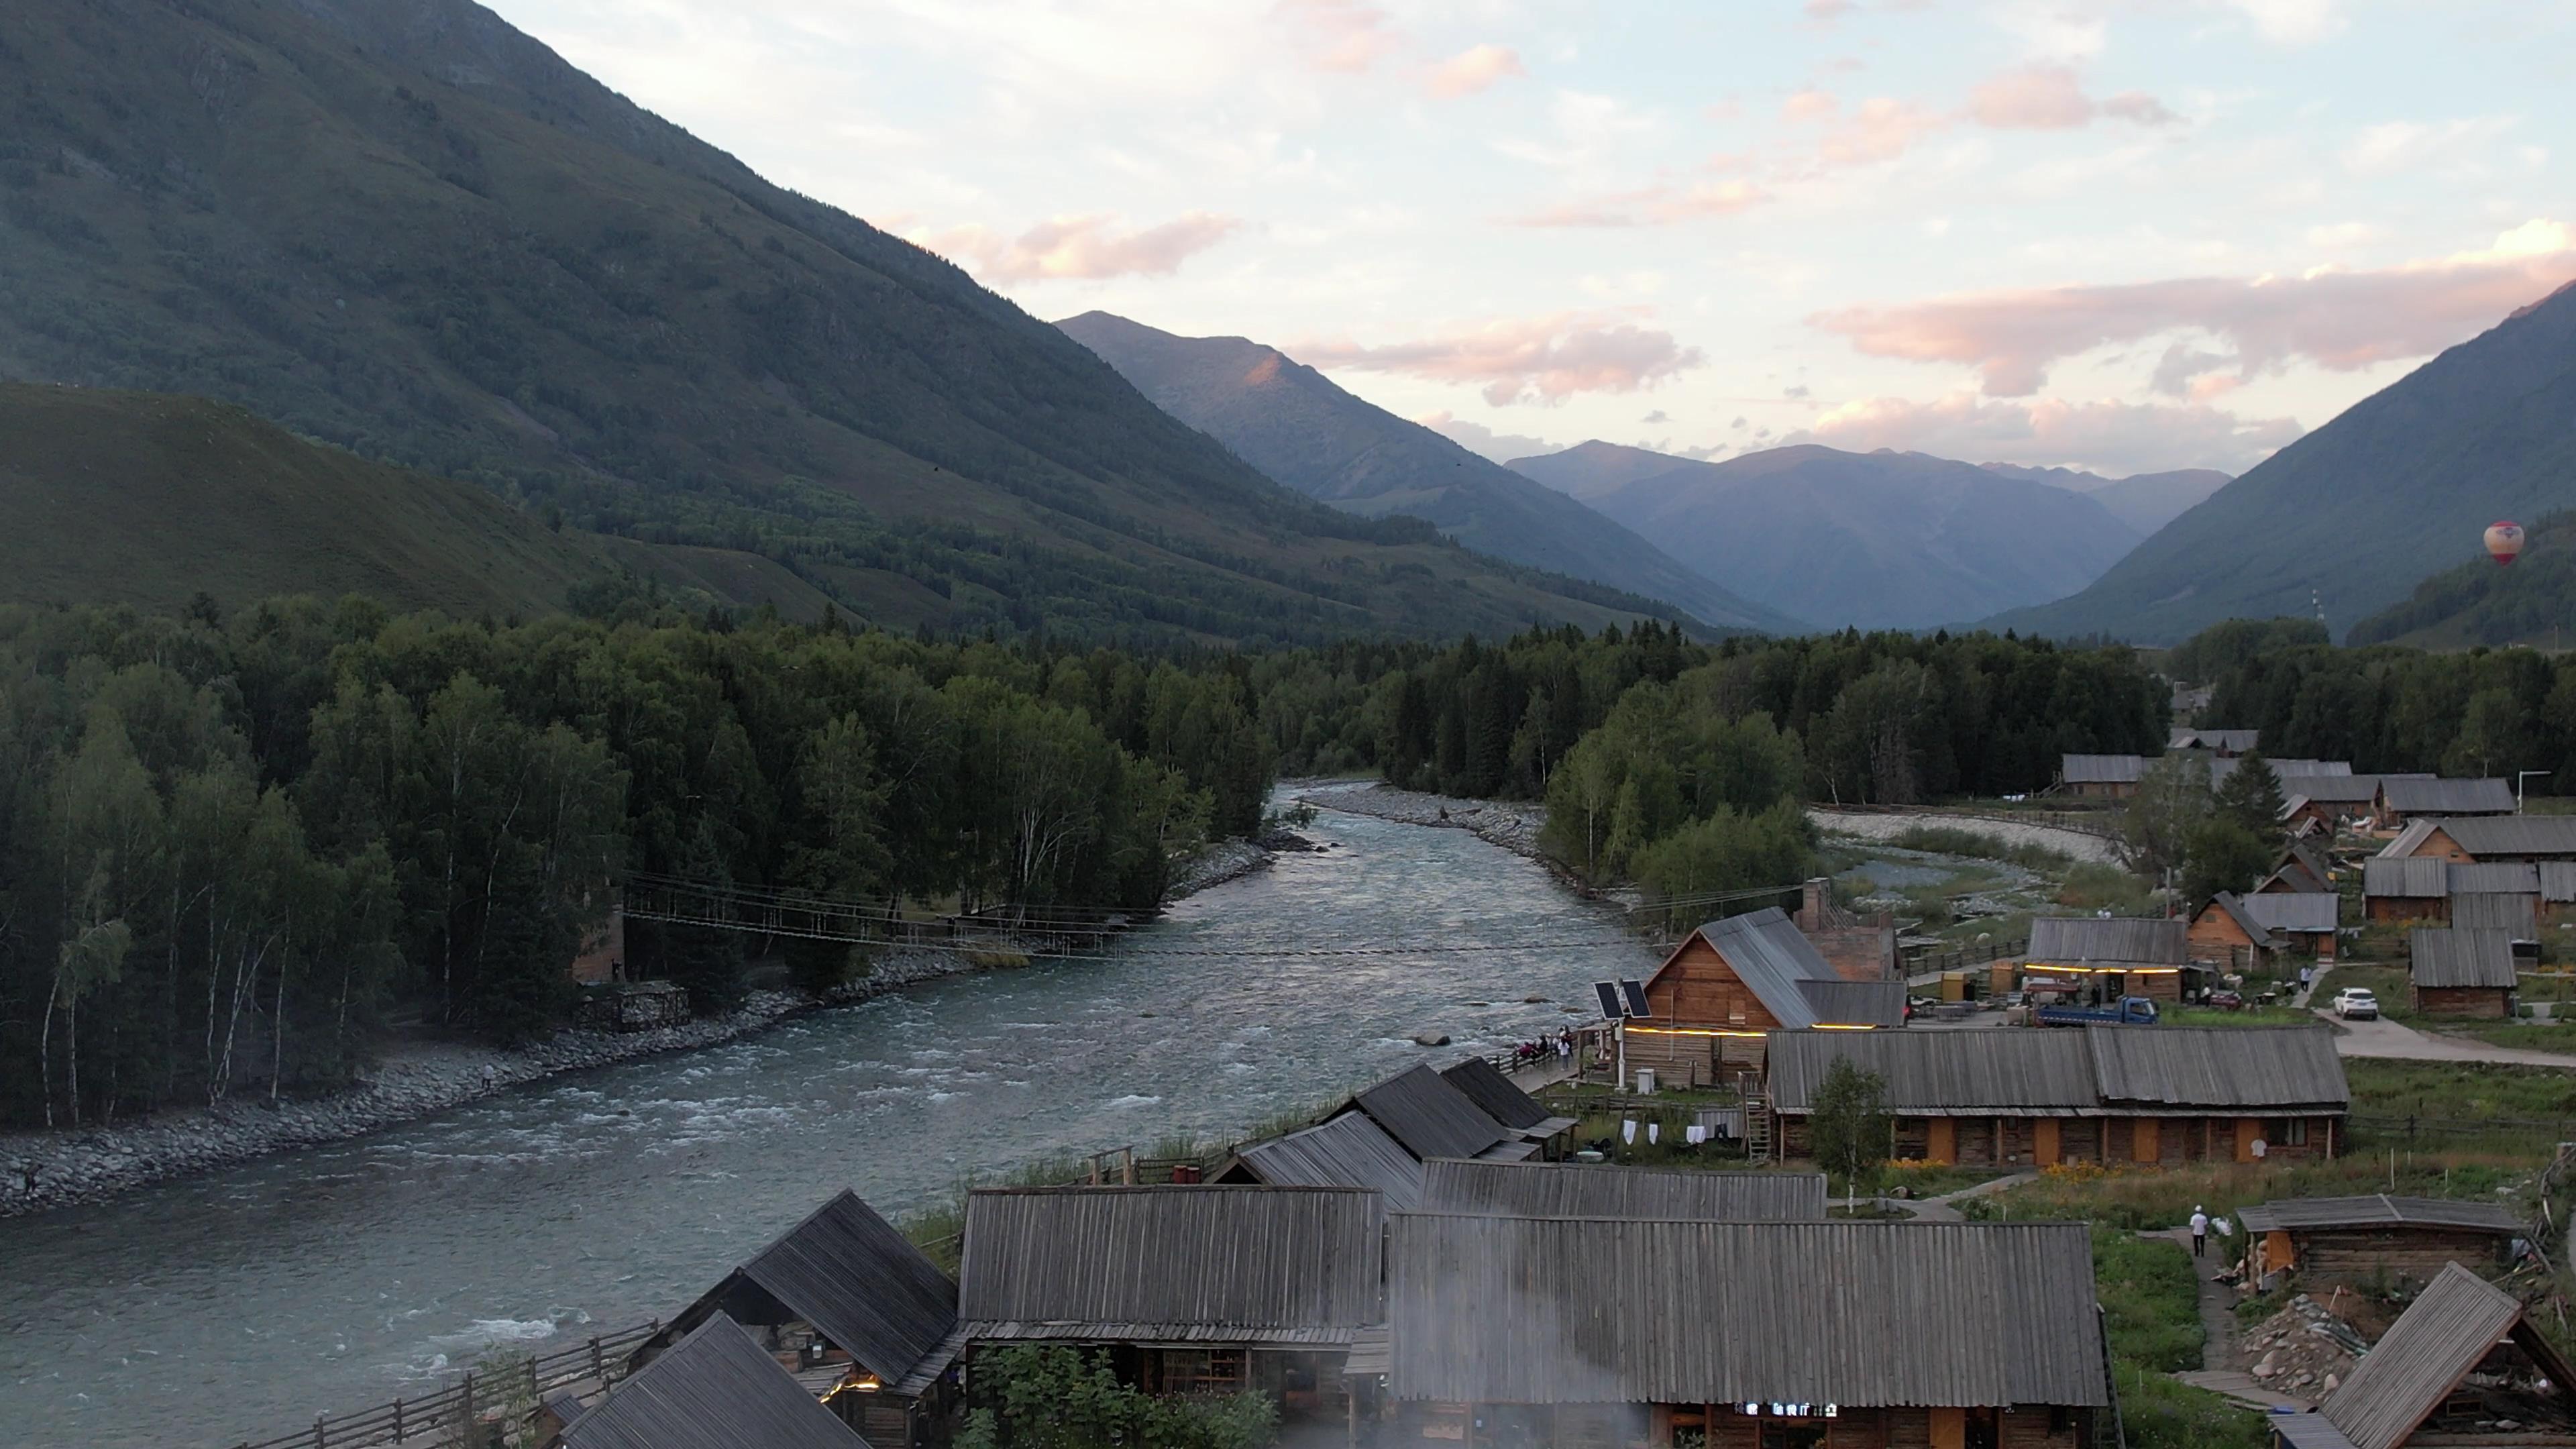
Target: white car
[(2355, 1003)]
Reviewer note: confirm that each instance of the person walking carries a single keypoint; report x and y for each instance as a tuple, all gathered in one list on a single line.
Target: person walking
[(2199, 1231)]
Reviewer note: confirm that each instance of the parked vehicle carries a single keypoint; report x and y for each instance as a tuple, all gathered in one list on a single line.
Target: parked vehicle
[(2355, 1003), (2127, 1011), (2225, 1000)]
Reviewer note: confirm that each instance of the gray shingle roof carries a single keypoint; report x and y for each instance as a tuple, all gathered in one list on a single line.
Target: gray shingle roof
[(2184, 737), (2457, 1321), (2108, 1070), (2452, 957), (2515, 837), (1855, 1003), (2558, 881), (1791, 978), (2296, 912), (2143, 940), (1429, 1117), (2376, 1210), (2218, 1067), (1581, 1190), (2494, 877), (1195, 1264), (1565, 1310), (1489, 1089), (849, 1273), (2100, 769), (715, 1389), (2517, 916), (2409, 877), (2232, 906), (2447, 797), (1348, 1151), (2338, 789)]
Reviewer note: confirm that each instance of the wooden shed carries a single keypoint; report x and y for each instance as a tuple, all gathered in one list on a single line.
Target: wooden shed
[(1347, 1151), (2405, 887), (2114, 956), (1189, 1290), (1777, 1335), (1485, 1085), (846, 1299), (2408, 1389), (2403, 798), (2037, 1096), (2329, 800), (1429, 1117), (2303, 923), (2301, 870), (712, 1389), (1730, 982), (2452, 971), (2099, 777), (2511, 837), (2326, 1241), (2225, 744)]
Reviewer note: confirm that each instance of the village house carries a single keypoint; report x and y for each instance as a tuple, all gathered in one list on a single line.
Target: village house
[(2292, 776), (1741, 1335), (2037, 1096), (1429, 1117), (2303, 922), (2328, 801), (1485, 1085), (2514, 837), (1187, 1290), (1602, 1190), (2112, 956), (1713, 999), (712, 1389), (2518, 916), (2404, 797), (2300, 870), (2224, 743), (2456, 972), (2225, 933), (2406, 888), (2099, 777), (862, 1317), (1347, 1151), (2330, 1241), (2414, 1386), (1858, 947)]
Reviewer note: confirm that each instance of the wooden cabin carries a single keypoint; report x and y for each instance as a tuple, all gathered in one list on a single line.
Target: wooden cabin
[(2426, 839), (2347, 1241), (849, 1305), (2303, 923), (2541, 838), (1858, 947), (713, 1388), (2328, 801), (2038, 1096), (1602, 1190), (2226, 744), (2223, 931), (2453, 971), (1853, 1335), (1429, 1117), (2301, 870), (1484, 1084), (2099, 777), (2113, 956), (2405, 888), (1347, 1151), (2411, 1389), (2403, 798), (1715, 997), (1185, 1290), (2517, 915)]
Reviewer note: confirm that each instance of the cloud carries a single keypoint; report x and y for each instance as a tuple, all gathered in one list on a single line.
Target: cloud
[(2401, 146), (2290, 22), (1484, 441), (2341, 320), (2139, 107), (2050, 97), (2113, 438), (1523, 359), (1088, 246), (1650, 205), (1797, 393), (1657, 416), (1472, 70), (1740, 424), (1346, 36)]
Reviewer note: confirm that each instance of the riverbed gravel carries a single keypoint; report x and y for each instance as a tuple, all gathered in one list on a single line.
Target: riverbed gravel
[(1513, 825), (1873, 825)]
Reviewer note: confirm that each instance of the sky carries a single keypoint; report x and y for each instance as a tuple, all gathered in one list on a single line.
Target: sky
[(2123, 236)]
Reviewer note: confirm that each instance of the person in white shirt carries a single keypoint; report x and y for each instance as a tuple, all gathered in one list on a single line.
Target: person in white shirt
[(2199, 1231)]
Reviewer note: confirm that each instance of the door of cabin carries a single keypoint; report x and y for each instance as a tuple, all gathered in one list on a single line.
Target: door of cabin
[(1941, 1140), (2043, 1142), (2143, 1143)]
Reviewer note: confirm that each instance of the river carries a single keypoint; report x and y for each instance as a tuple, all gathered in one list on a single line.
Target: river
[(237, 1305)]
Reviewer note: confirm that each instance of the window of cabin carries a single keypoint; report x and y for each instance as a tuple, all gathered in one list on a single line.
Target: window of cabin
[(1203, 1371), (2292, 1132), (1780, 1435)]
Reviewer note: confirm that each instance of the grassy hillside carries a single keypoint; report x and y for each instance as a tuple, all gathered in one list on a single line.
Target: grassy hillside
[(2533, 602), (1298, 427), (405, 228), (147, 499), (2362, 509)]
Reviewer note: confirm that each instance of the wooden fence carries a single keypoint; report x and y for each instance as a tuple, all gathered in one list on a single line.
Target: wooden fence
[(453, 1416)]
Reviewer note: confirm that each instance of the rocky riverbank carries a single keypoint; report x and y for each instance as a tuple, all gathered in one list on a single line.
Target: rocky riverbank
[(1513, 825), (1876, 825), (43, 1170)]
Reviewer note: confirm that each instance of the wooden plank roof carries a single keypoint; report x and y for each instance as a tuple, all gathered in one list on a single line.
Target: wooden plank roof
[(2447, 797), (2304, 913), (2376, 1210), (2233, 906), (2450, 956), (2517, 916), (1588, 1190), (2100, 769), (2218, 1067), (1790, 977), (1509, 1310), (1220, 1264), (1428, 1116), (2514, 837), (2138, 940), (2406, 877), (2455, 1322), (2494, 877), (715, 1389), (2101, 1070), (1488, 1088), (1348, 1151)]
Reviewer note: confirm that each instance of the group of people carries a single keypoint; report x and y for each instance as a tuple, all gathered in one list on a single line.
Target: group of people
[(1559, 1045)]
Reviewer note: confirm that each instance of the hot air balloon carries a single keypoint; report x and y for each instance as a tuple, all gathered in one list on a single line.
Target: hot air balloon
[(2504, 542)]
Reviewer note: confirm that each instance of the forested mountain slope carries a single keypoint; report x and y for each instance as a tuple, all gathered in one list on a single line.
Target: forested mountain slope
[(2533, 602), (2361, 510), (404, 227), (1298, 427)]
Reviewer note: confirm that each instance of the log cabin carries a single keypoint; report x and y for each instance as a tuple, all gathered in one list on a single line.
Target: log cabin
[(2330, 800), (2301, 870), (1347, 1151), (2426, 839), (2099, 777), (2327, 1242), (2114, 956), (713, 1388), (2406, 888), (2403, 798), (1714, 999), (2408, 1390), (2037, 1096), (1184, 1290), (2225, 932), (2303, 922), (1429, 1117), (2226, 744), (2454, 971), (1855, 1335), (2507, 837)]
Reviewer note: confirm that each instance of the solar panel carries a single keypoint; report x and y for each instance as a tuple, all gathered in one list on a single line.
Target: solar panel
[(1635, 993), (1609, 991)]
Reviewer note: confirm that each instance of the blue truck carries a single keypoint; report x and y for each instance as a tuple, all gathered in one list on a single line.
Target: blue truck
[(2127, 1011)]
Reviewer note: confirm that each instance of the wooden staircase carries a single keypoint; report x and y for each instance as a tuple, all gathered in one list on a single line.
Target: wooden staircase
[(1759, 1126)]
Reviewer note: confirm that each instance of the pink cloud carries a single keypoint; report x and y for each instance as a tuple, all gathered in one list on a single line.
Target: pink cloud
[(2139, 107), (1523, 359), (1348, 36), (1881, 129), (1089, 246), (2034, 98), (2108, 437), (1651, 206), (1473, 69), (1809, 104), (2341, 320)]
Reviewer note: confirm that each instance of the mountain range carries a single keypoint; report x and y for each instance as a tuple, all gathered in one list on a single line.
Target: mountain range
[(2144, 501), (1878, 540), (1297, 427), (405, 229), (2354, 515)]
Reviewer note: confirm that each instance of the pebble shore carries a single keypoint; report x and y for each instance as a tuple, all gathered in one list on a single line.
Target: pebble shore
[(1513, 825), (45, 1170)]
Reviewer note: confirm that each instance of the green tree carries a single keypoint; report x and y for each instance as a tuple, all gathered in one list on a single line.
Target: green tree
[(2172, 797), (2492, 735), (1848, 1127), (2221, 855), (1052, 1397), (2251, 795)]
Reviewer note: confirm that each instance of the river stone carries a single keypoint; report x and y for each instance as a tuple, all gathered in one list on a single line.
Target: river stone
[(1533, 1001), (2333, 1383), (1431, 1038)]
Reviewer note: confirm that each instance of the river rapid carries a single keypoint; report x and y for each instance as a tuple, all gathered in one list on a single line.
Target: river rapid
[(237, 1305)]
